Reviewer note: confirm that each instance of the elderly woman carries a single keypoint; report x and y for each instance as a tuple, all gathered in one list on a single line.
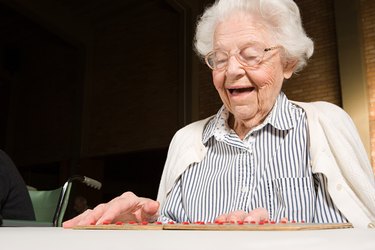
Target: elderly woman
[(261, 156)]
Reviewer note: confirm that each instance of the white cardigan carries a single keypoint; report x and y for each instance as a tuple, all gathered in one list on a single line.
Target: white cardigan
[(336, 151)]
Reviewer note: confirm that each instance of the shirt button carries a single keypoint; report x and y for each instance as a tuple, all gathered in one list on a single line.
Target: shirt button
[(339, 187), (245, 189)]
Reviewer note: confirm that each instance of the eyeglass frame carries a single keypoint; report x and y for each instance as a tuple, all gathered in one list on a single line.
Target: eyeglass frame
[(236, 55)]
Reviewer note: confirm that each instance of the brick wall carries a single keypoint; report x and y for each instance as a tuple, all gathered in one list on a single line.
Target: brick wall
[(368, 30), (320, 79)]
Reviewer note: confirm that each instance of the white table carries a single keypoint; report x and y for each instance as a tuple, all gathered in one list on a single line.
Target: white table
[(49, 238)]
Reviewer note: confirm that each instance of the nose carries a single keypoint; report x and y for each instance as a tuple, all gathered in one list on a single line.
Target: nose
[(235, 69)]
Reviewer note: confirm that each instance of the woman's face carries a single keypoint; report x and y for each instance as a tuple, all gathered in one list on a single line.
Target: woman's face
[(248, 93)]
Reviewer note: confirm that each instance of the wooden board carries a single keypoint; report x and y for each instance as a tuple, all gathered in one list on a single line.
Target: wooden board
[(123, 226), (218, 227), (256, 227)]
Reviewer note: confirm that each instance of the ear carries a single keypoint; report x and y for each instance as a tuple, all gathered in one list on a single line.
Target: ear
[(289, 67)]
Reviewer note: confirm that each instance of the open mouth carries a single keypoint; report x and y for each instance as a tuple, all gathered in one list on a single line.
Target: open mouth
[(236, 91)]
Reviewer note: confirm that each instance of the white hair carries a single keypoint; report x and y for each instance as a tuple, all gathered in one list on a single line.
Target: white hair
[(280, 17)]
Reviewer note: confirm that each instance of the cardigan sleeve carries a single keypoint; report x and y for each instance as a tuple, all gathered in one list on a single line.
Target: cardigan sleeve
[(337, 152), (185, 148)]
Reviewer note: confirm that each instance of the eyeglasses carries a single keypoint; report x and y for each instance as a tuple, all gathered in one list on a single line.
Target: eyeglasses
[(248, 56)]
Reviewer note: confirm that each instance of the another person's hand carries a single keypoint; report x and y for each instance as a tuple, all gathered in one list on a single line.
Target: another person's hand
[(127, 207), (256, 215)]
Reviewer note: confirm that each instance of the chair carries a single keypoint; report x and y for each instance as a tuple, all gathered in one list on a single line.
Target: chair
[(50, 205)]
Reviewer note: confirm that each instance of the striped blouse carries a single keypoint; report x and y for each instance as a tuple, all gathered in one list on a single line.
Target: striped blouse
[(269, 168)]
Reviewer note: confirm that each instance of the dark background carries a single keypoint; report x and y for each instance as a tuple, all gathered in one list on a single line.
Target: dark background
[(96, 88)]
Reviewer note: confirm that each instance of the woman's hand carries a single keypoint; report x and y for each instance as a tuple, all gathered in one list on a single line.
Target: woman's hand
[(127, 207), (256, 215)]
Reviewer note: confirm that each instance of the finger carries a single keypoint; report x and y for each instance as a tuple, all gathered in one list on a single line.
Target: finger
[(236, 216), (151, 207), (124, 204), (221, 218), (120, 208), (127, 207), (148, 210), (74, 221), (257, 215), (93, 215), (284, 220)]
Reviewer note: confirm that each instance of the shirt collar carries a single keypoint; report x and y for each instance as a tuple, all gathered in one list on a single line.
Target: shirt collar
[(280, 117)]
